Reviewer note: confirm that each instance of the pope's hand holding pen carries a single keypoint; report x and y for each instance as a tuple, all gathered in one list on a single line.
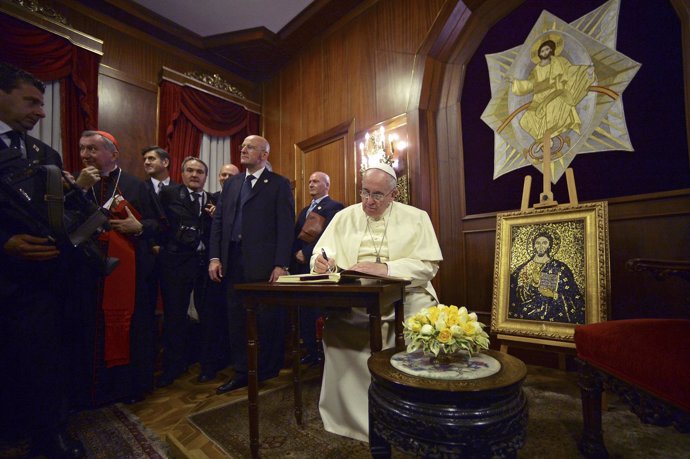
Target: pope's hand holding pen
[(323, 264)]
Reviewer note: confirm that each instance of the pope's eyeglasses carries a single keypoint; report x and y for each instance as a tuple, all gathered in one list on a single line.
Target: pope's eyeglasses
[(364, 194)]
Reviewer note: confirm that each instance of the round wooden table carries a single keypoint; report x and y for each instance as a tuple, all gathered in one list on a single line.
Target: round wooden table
[(485, 417)]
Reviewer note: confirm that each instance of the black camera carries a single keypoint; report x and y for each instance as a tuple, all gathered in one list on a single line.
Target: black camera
[(32, 198), (188, 236)]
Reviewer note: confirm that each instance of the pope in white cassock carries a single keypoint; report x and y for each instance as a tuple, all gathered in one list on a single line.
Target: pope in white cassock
[(380, 237)]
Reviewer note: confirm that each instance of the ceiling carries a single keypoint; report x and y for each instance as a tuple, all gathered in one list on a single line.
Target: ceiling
[(250, 38)]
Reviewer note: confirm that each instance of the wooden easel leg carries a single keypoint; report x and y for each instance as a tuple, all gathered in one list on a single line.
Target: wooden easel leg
[(572, 191), (525, 194), (561, 361)]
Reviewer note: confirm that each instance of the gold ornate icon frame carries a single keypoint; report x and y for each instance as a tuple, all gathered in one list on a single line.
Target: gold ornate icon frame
[(579, 240)]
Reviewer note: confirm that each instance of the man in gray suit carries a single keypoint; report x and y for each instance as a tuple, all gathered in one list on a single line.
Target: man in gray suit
[(251, 241)]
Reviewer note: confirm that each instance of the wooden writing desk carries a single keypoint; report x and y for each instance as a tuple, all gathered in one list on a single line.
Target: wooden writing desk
[(372, 296)]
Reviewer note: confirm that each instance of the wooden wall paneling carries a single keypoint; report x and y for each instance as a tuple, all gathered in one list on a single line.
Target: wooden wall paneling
[(290, 118), (328, 159), (129, 113), (332, 152), (270, 124), (479, 254), (311, 85), (639, 294), (336, 94), (361, 67), (452, 275), (135, 52)]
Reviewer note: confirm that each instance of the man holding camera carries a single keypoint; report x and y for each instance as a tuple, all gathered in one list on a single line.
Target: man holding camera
[(32, 296), (184, 258)]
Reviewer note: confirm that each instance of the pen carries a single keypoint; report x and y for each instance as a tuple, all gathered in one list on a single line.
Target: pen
[(323, 252)]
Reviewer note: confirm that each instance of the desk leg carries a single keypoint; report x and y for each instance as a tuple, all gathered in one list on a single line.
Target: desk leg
[(375, 328), (399, 318), (252, 376), (295, 312)]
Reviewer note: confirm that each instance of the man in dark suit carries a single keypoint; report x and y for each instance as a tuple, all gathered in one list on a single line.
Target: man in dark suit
[(32, 295), (321, 206), (184, 269), (251, 241), (116, 361), (157, 167)]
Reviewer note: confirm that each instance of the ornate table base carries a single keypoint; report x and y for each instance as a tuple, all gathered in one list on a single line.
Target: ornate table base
[(485, 417)]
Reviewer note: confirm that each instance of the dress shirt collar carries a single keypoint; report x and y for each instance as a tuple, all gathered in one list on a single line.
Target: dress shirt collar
[(4, 128), (256, 174), (155, 182), (320, 199)]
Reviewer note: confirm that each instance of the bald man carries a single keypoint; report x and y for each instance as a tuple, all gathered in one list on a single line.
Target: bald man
[(227, 171), (251, 240), (321, 206)]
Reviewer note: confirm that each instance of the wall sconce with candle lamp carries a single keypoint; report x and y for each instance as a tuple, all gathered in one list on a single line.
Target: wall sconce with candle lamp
[(387, 142)]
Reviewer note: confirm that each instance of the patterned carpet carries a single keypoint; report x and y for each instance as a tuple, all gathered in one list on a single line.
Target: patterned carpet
[(553, 429), (111, 432), (114, 432)]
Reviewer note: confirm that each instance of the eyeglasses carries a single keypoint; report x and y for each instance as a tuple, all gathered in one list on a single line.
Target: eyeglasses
[(248, 147), (364, 194)]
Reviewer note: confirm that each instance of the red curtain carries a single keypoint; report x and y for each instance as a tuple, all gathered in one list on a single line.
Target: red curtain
[(50, 57), (187, 113)]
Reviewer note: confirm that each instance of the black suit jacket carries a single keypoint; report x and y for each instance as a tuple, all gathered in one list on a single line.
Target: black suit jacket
[(327, 208), (179, 211), (15, 271), (267, 225)]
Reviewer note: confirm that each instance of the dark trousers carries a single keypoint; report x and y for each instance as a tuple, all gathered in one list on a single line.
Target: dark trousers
[(270, 323), (182, 274), (31, 359)]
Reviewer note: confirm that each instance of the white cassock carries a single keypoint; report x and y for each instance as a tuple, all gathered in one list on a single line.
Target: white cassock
[(405, 240)]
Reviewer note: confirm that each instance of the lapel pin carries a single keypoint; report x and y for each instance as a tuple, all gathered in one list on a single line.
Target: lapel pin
[(35, 147), (265, 180)]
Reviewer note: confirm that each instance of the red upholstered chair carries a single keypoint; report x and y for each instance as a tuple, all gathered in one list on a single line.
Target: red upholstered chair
[(645, 361)]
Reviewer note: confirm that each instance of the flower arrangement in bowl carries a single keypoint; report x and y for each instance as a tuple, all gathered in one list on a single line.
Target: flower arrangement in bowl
[(445, 329)]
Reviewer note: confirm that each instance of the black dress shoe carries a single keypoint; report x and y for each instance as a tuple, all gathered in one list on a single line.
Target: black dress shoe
[(233, 384), (64, 446), (206, 376)]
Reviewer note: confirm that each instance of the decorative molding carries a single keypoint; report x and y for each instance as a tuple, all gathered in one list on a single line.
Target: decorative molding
[(216, 81), (193, 79), (35, 7), (48, 19)]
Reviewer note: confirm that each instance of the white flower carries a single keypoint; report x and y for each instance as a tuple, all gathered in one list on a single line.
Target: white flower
[(427, 330)]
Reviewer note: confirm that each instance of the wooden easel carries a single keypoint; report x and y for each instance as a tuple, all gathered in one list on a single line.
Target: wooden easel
[(545, 200), (546, 197)]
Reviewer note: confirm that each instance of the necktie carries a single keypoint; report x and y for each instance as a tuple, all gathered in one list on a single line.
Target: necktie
[(197, 202), (159, 187), (246, 189), (311, 206), (15, 139), (244, 195)]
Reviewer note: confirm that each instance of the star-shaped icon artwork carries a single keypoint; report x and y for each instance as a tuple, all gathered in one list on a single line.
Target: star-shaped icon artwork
[(564, 84)]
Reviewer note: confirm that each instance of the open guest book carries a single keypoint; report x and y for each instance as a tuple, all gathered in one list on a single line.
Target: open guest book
[(347, 275)]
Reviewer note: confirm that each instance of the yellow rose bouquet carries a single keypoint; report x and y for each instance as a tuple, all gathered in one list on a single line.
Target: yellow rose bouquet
[(445, 329)]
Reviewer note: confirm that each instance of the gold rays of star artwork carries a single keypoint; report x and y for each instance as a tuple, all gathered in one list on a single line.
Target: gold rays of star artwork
[(564, 83)]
